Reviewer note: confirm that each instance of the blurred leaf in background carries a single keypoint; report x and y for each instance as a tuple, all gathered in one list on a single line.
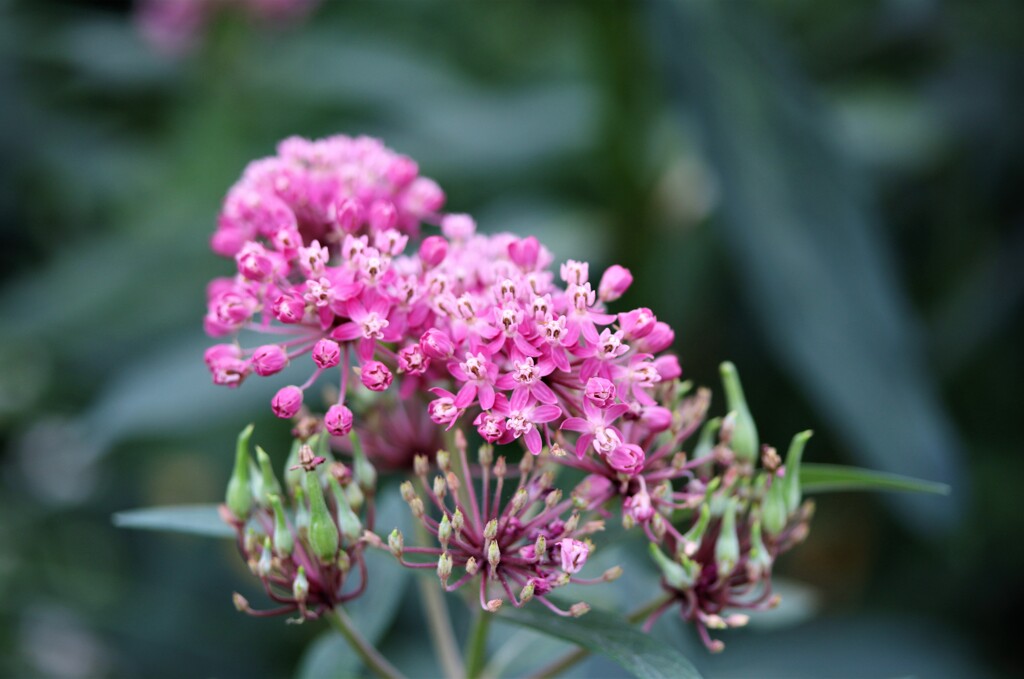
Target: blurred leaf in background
[(825, 193)]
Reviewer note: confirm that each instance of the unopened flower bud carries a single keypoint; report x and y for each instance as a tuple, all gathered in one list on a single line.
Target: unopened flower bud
[(658, 525), (486, 455), (770, 459), (284, 542), (453, 482), (440, 487), (553, 498), (613, 573), (396, 543), (715, 621), (744, 441), (301, 513), (444, 461), (737, 620), (270, 485), (326, 354), (300, 586), (444, 567), (519, 500), (614, 283), (444, 531), (344, 561), (338, 420), (571, 523), (773, 507), (348, 523), (472, 566), (493, 553), (526, 465), (355, 497), (458, 521), (266, 560), (240, 602), (500, 467), (286, 402), (526, 593), (727, 548), (437, 345), (493, 605), (239, 492), (269, 359), (579, 609), (540, 547)]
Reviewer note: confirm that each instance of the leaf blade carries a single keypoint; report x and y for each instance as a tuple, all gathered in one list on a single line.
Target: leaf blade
[(201, 519), (611, 636), (828, 478)]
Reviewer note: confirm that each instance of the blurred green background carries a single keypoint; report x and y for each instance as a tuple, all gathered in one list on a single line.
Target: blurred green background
[(826, 193)]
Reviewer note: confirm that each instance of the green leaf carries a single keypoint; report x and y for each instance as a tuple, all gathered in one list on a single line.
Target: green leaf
[(611, 636), (193, 519), (825, 478)]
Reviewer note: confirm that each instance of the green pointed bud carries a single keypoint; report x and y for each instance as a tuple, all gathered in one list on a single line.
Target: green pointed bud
[(444, 461), (486, 455), (458, 521), (300, 586), (657, 524), (266, 562), (706, 441), (553, 498), (491, 529), (323, 532), (613, 573), (693, 537), (791, 482), (283, 540), (675, 575), (444, 567), (407, 491), (440, 487), (396, 543), (526, 465), (239, 493), (420, 465), (571, 523), (759, 560), (444, 531), (493, 553), (301, 513), (344, 561), (579, 609), (745, 442), (355, 497), (349, 524), (293, 473), (366, 473), (519, 500), (500, 467), (540, 547), (472, 566), (259, 496), (773, 507), (526, 593), (727, 548), (270, 484), (251, 541)]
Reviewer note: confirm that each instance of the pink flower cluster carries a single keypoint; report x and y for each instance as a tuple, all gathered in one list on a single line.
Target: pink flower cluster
[(175, 27)]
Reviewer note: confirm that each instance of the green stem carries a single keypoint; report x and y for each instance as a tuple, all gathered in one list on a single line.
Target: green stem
[(363, 648), (476, 649), (439, 622), (559, 665)]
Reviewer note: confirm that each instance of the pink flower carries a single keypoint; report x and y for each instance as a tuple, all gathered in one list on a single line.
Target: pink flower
[(433, 250), (478, 375), (524, 252), (573, 554), (443, 410), (383, 215), (600, 391), (614, 283), (597, 428), (437, 344), (375, 376), (656, 418), (627, 458), (289, 308), (369, 323), (523, 417), (637, 323), (668, 367), (287, 401), (639, 506), (458, 227), (338, 420), (254, 262), (269, 359)]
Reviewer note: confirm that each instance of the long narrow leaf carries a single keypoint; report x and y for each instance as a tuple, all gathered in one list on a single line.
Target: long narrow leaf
[(193, 519), (826, 478)]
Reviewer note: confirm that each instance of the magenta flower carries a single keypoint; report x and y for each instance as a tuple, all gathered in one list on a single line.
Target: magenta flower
[(524, 416), (596, 428)]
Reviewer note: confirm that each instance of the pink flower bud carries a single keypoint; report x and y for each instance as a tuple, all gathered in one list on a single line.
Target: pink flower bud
[(383, 215), (226, 242), (437, 345), (659, 339), (627, 458), (614, 283), (637, 323), (326, 354), (600, 391), (668, 367), (338, 420), (402, 170), (269, 359), (458, 227), (375, 376), (287, 241), (490, 426), (443, 410), (254, 262), (639, 506), (433, 250), (573, 554), (348, 215), (289, 308), (524, 252), (411, 360), (229, 372), (656, 418), (221, 352), (287, 401)]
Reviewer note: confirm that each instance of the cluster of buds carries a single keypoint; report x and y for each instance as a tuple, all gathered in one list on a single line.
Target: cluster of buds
[(741, 516), (517, 549), (175, 27), (304, 540)]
